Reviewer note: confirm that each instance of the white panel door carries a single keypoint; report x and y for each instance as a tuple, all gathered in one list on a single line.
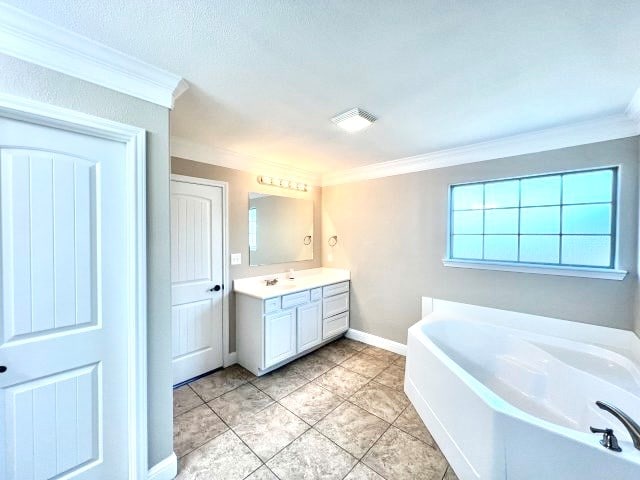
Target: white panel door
[(279, 336), (64, 317), (196, 276), (309, 325)]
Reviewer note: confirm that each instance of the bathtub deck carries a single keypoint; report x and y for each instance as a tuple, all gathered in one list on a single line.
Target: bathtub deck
[(338, 413)]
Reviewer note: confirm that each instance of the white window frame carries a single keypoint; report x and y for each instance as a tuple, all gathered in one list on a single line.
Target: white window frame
[(607, 273)]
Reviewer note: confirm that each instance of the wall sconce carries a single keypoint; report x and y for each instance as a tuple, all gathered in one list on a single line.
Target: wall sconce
[(333, 241), (282, 183)]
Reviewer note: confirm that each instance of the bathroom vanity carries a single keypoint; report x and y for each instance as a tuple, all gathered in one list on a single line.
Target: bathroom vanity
[(278, 323)]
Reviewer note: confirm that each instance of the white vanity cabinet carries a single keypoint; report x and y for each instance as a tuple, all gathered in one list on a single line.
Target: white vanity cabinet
[(293, 329), (272, 331)]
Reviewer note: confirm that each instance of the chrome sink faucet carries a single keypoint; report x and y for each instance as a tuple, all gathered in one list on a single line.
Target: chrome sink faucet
[(271, 282), (632, 427)]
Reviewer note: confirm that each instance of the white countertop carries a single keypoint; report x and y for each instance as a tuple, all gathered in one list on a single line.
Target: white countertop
[(304, 280)]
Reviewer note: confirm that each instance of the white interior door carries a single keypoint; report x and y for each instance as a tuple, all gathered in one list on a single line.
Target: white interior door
[(196, 275), (64, 319)]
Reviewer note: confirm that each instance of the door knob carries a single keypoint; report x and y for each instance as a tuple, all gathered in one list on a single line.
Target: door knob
[(215, 289), (3, 369)]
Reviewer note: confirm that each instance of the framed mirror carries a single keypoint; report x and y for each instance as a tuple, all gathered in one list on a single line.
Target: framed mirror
[(280, 229)]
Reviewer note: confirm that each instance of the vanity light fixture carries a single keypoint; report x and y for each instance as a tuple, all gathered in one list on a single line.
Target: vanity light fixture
[(354, 120), (282, 183)]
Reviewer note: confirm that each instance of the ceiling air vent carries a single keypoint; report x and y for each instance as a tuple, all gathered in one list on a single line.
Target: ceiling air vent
[(354, 120)]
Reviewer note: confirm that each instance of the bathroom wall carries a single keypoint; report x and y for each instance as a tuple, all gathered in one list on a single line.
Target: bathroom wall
[(392, 234), (240, 184), (637, 296), (31, 81)]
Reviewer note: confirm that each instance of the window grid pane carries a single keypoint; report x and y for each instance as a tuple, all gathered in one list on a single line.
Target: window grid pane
[(584, 226)]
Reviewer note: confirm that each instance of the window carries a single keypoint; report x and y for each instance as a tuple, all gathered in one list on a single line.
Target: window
[(565, 219), (253, 234)]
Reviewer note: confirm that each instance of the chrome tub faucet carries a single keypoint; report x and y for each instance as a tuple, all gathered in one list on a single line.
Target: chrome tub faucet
[(632, 427)]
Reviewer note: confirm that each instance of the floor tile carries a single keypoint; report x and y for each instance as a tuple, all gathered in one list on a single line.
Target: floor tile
[(450, 475), (270, 430), (382, 354), (341, 381), (223, 457), (400, 456), (311, 402), (234, 406), (184, 399), (393, 377), (219, 383), (410, 422), (365, 365), (280, 383), (359, 346), (195, 428), (311, 457), (352, 428), (401, 362), (380, 400), (312, 366), (337, 352), (263, 473), (362, 472)]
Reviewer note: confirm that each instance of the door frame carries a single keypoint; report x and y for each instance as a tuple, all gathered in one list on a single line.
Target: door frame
[(134, 138), (228, 358)]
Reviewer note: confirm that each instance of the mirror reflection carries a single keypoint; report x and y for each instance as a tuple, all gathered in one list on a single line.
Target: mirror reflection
[(280, 229)]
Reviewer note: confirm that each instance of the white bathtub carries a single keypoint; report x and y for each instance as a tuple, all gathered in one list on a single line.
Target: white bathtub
[(512, 396)]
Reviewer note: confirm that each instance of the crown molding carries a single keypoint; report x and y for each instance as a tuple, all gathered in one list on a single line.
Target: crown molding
[(221, 157), (38, 41), (633, 109), (593, 131)]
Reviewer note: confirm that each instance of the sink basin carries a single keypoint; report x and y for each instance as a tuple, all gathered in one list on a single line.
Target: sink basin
[(286, 287)]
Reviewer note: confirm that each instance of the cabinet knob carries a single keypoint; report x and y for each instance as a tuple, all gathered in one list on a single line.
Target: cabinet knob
[(217, 288)]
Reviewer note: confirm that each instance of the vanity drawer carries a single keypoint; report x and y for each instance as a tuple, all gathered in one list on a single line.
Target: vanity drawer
[(333, 305), (271, 304), (335, 325), (294, 299), (335, 289), (316, 294)]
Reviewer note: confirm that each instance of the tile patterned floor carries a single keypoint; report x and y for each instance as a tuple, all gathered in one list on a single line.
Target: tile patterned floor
[(338, 413)]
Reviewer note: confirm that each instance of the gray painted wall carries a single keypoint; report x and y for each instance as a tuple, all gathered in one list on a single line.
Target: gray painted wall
[(240, 184), (30, 81), (392, 235), (637, 297)]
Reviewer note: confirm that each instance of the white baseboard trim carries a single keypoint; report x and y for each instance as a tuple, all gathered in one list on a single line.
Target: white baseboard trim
[(166, 469), (230, 359), (370, 339)]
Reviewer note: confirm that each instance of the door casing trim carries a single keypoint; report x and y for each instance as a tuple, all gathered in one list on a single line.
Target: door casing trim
[(134, 138), (228, 358)]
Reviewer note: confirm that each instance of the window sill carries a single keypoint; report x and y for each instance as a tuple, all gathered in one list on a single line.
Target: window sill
[(602, 273)]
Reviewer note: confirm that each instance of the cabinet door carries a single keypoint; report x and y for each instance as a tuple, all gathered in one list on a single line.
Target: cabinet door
[(309, 326), (279, 337)]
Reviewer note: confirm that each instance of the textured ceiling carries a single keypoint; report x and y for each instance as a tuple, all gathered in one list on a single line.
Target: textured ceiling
[(267, 75)]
